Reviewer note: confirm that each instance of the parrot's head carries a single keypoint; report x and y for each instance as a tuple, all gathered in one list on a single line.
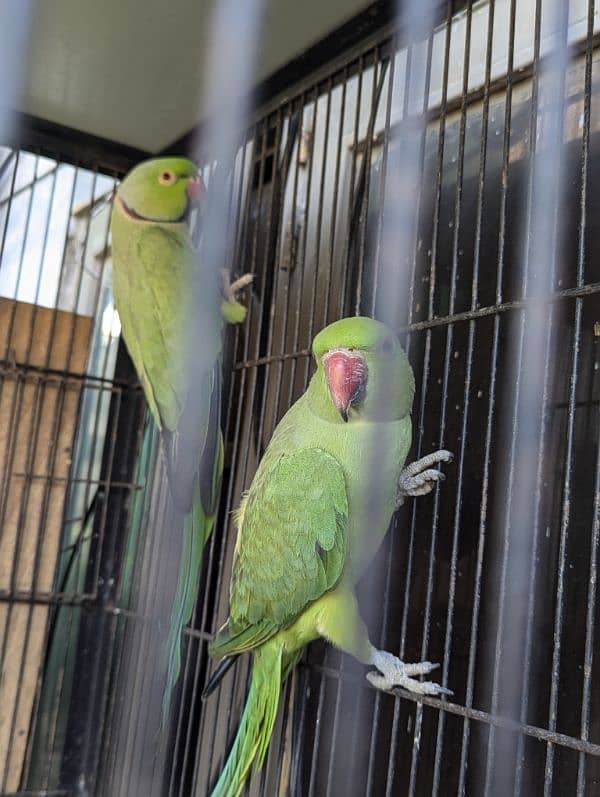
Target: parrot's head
[(161, 190), (363, 372)]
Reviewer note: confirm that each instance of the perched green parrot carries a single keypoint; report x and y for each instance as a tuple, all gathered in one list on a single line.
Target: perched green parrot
[(315, 514), (158, 289)]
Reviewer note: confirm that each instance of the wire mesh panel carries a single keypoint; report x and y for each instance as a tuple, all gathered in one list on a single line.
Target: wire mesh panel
[(504, 599), (444, 575), (62, 405)]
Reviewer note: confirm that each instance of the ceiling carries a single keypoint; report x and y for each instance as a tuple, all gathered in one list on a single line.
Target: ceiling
[(130, 70)]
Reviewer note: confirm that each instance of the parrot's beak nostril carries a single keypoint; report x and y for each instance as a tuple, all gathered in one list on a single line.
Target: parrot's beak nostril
[(196, 190)]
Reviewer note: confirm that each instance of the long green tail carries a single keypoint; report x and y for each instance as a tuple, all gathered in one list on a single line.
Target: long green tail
[(197, 528), (256, 726)]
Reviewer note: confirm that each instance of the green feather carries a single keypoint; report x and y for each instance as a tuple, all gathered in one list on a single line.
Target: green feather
[(196, 531), (256, 726), (297, 508), (233, 312)]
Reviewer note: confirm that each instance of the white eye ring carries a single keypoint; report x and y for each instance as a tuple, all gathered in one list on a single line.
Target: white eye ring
[(167, 177)]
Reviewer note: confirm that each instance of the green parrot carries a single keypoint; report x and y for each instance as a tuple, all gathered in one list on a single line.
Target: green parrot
[(313, 518), (160, 292)]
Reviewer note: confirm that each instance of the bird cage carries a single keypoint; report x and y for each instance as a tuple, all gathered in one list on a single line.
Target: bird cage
[(494, 580)]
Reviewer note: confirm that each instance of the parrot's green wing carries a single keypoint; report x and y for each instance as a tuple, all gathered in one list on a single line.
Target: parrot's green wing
[(150, 293), (152, 273), (148, 289), (291, 546)]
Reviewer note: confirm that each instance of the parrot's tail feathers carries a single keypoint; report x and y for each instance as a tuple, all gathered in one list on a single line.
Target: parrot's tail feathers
[(215, 679), (197, 528), (256, 726)]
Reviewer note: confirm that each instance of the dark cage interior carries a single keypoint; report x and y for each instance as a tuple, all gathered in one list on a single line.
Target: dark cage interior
[(502, 593)]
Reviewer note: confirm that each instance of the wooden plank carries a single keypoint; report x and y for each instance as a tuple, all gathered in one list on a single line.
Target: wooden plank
[(38, 415)]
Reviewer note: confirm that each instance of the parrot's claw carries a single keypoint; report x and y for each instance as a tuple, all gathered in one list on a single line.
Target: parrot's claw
[(419, 477), (241, 282), (393, 672), (231, 289)]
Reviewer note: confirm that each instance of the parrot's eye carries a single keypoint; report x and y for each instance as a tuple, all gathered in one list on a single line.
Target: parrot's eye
[(167, 177), (386, 347)]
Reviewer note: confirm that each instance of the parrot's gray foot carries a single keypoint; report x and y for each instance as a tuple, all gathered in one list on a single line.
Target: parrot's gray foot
[(419, 477), (393, 672), (231, 289)]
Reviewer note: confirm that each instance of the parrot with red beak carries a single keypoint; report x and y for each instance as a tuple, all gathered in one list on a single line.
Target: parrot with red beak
[(313, 518), (172, 313)]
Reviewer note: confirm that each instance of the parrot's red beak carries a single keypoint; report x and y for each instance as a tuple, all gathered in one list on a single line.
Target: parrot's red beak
[(346, 374), (196, 190)]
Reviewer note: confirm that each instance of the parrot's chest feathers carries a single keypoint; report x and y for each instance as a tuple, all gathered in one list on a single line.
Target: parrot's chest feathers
[(375, 455)]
